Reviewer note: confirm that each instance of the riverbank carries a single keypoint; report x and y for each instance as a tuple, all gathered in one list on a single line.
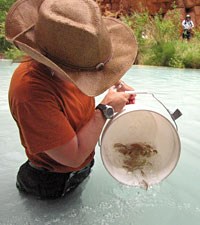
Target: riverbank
[(160, 41)]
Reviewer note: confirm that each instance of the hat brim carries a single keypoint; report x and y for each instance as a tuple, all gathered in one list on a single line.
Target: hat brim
[(92, 83)]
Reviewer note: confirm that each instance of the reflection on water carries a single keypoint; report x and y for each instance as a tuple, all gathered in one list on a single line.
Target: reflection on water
[(102, 200)]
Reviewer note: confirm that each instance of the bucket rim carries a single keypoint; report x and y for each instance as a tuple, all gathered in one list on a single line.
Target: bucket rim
[(118, 116)]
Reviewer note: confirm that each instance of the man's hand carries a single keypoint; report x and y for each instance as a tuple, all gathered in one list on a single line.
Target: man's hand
[(121, 87)]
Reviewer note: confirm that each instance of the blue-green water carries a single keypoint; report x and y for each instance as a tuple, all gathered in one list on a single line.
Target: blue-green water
[(101, 200)]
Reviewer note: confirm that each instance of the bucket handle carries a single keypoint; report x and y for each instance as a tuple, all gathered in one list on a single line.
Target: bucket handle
[(175, 115)]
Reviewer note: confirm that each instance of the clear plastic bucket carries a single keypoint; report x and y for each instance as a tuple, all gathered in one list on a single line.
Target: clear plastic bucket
[(140, 146)]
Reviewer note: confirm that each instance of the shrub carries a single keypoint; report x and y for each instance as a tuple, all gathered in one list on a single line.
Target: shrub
[(161, 54), (4, 45), (160, 43), (14, 53)]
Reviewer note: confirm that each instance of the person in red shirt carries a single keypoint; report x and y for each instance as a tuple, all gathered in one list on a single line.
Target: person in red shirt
[(74, 54)]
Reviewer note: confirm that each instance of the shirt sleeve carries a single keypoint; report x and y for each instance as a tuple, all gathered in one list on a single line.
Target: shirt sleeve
[(183, 23), (42, 125)]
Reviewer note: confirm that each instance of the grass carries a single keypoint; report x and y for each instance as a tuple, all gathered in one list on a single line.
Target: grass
[(159, 39), (160, 42)]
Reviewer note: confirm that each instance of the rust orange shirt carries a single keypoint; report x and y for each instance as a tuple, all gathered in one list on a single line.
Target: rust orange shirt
[(49, 112)]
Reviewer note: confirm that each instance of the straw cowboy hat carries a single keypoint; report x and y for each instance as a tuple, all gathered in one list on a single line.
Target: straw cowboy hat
[(72, 38)]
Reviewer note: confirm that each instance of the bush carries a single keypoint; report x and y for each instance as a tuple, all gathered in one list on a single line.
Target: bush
[(188, 53), (5, 46), (14, 53), (160, 43), (161, 54)]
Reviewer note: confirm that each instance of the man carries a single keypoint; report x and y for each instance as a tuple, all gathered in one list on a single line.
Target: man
[(74, 54)]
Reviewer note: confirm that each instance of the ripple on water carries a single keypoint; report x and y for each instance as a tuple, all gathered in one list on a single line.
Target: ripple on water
[(178, 195)]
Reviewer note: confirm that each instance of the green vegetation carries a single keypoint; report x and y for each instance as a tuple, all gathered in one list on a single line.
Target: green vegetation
[(7, 50), (160, 42)]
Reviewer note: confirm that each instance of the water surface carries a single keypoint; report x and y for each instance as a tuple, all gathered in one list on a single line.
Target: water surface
[(101, 200)]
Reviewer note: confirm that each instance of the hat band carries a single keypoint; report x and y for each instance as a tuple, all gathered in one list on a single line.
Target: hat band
[(98, 67)]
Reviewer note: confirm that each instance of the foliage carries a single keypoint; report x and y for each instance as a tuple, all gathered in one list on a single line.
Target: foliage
[(4, 6), (160, 42), (14, 53), (161, 54), (159, 38), (4, 45), (188, 53)]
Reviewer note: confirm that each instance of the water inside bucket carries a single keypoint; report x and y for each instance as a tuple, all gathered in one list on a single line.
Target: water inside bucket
[(137, 125)]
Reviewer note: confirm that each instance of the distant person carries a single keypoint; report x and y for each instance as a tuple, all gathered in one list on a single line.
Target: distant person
[(144, 35), (187, 25)]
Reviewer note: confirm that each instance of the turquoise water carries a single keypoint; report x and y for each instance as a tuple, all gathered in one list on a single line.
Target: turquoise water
[(101, 200)]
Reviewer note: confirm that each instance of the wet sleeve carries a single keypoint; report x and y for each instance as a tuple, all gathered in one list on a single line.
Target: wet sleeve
[(42, 125)]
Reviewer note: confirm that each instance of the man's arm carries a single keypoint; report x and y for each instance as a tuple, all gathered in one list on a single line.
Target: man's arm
[(74, 152), (183, 24)]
